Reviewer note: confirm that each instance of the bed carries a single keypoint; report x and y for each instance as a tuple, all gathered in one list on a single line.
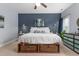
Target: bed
[(39, 39)]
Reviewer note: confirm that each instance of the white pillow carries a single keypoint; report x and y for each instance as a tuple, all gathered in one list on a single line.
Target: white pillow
[(40, 29)]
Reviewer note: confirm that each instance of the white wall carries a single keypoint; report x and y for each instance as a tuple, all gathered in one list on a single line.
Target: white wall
[(10, 30), (73, 13)]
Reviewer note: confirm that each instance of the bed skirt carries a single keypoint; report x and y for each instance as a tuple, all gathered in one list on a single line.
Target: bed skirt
[(38, 48)]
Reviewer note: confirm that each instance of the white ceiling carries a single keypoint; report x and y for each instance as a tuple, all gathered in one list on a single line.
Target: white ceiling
[(52, 8), (29, 7)]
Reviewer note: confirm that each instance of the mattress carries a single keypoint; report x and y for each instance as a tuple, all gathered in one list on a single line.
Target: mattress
[(40, 38)]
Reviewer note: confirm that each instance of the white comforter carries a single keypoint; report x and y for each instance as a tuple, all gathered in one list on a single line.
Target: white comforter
[(40, 38)]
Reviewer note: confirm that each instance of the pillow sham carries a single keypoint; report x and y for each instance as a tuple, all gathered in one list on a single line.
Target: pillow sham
[(40, 29)]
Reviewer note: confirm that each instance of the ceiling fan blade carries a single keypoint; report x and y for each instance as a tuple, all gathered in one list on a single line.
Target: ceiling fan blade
[(35, 7), (43, 5)]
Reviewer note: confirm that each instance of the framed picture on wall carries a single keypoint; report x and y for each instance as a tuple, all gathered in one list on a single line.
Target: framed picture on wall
[(1, 22), (39, 22)]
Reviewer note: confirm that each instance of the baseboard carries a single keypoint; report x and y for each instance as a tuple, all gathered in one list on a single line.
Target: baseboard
[(6, 43)]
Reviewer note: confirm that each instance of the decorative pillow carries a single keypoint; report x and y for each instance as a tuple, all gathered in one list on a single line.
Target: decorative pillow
[(39, 31)]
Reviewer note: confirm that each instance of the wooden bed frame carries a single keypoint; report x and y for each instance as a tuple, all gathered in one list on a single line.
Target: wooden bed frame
[(38, 48)]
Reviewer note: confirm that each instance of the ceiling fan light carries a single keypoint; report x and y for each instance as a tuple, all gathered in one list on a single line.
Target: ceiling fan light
[(37, 4)]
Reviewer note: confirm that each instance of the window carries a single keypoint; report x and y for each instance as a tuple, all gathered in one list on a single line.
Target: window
[(66, 24)]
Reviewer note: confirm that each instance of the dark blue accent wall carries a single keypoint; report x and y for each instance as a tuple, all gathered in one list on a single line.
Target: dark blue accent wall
[(51, 20), (60, 25)]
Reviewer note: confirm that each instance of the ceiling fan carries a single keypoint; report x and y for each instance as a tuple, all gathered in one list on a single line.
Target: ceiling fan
[(42, 4)]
